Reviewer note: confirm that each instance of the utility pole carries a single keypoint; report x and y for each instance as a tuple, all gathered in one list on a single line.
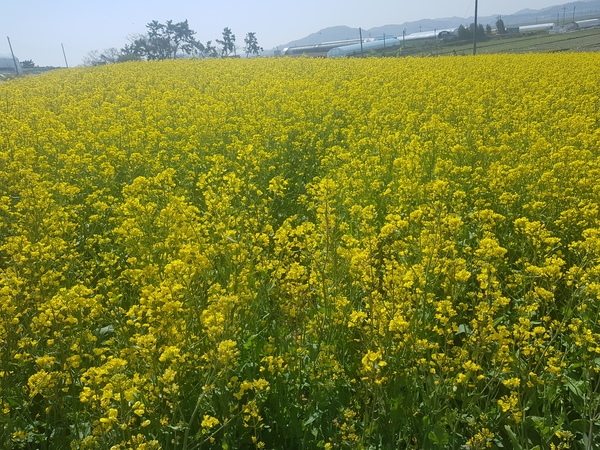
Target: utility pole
[(403, 41), (65, 55), (573, 13), (361, 46), (13, 57), (475, 31)]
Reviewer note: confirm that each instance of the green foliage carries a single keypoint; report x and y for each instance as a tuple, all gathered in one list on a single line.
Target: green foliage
[(467, 33), (227, 43), (28, 64), (164, 41), (500, 26), (252, 47)]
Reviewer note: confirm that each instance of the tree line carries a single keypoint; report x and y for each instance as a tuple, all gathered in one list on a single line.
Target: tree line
[(172, 40), (465, 33)]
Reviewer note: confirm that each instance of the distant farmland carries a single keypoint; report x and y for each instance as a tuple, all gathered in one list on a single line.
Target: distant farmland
[(533, 42)]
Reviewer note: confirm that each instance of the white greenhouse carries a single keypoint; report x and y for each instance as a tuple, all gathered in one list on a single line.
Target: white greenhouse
[(8, 65), (355, 49)]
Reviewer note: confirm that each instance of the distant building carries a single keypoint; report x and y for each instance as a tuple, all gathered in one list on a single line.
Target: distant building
[(7, 65)]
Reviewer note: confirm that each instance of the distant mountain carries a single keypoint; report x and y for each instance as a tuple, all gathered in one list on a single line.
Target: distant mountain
[(415, 27), (329, 34), (527, 11), (564, 12)]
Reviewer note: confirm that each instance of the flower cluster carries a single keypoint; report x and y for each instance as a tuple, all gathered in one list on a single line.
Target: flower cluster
[(302, 253)]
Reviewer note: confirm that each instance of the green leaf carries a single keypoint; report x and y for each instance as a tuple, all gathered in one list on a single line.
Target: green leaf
[(463, 328), (312, 418), (438, 436), (250, 342), (580, 425), (513, 438), (575, 387)]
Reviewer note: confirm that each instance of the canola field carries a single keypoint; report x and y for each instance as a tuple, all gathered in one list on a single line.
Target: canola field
[(301, 254)]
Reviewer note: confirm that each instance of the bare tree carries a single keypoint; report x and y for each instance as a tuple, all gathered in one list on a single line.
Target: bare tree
[(107, 56)]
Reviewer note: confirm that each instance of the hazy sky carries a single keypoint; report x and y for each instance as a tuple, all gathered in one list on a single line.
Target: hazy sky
[(38, 27)]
